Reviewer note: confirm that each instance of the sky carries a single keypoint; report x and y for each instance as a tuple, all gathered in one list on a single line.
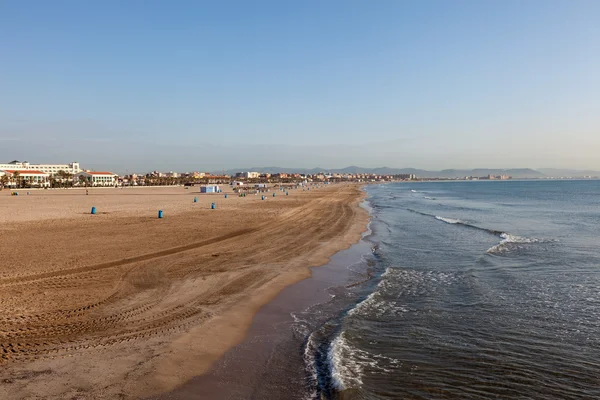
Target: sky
[(208, 85)]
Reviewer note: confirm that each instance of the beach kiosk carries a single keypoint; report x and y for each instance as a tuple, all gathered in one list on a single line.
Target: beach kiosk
[(209, 189)]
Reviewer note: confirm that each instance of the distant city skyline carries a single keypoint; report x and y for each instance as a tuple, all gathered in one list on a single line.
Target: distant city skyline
[(188, 85)]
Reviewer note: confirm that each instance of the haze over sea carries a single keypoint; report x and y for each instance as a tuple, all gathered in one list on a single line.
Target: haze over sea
[(481, 290)]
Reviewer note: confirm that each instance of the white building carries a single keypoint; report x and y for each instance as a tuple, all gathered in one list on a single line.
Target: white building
[(97, 178), (25, 177), (248, 175), (50, 169)]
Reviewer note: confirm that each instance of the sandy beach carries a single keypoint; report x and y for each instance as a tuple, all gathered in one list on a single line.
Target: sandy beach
[(122, 304)]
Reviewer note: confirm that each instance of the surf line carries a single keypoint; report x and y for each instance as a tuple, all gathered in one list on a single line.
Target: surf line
[(500, 247)]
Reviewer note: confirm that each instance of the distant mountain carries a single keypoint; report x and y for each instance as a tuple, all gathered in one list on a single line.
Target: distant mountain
[(568, 173), (447, 173)]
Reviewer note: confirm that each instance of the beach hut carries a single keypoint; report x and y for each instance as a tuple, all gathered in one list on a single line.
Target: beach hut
[(209, 189)]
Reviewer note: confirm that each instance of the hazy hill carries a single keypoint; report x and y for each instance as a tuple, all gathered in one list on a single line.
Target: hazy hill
[(447, 173)]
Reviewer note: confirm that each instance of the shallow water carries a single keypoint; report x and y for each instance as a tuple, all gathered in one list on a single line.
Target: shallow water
[(485, 290)]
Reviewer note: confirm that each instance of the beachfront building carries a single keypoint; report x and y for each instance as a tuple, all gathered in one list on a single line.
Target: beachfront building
[(50, 169), (24, 178), (95, 178), (498, 177), (248, 175)]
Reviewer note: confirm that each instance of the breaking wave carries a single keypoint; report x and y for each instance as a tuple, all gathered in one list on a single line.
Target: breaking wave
[(508, 242), (449, 220), (347, 363), (455, 221)]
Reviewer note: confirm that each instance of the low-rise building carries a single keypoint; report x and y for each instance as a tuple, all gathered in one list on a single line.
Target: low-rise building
[(248, 175), (26, 177), (50, 169), (96, 178)]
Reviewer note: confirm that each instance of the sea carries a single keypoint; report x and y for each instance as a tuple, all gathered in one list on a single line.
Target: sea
[(477, 290), (458, 290)]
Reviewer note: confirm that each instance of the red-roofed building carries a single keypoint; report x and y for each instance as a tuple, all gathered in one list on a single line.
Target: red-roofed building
[(26, 177), (96, 178)]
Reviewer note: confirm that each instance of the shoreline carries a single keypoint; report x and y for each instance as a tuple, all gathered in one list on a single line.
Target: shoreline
[(245, 316), (270, 363), (277, 332), (157, 363)]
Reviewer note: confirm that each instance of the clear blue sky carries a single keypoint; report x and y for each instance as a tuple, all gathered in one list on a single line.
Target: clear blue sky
[(208, 85)]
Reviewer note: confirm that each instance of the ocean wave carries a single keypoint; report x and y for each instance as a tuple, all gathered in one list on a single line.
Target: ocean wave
[(347, 363), (511, 241), (376, 306), (428, 198), (379, 303), (368, 231), (414, 191), (449, 220), (455, 221), (310, 349), (408, 281)]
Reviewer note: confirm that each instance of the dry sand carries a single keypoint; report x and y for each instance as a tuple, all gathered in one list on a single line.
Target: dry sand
[(125, 305)]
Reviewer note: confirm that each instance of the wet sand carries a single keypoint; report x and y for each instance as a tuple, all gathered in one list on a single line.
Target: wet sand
[(125, 305), (270, 364)]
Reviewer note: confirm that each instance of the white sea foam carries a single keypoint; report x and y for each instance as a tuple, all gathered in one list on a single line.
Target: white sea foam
[(405, 282), (368, 231), (309, 361), (448, 220), (507, 240), (345, 371), (347, 363), (300, 326), (414, 191), (376, 304), (363, 304)]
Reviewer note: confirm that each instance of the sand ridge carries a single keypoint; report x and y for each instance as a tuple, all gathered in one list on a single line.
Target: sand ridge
[(123, 304)]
